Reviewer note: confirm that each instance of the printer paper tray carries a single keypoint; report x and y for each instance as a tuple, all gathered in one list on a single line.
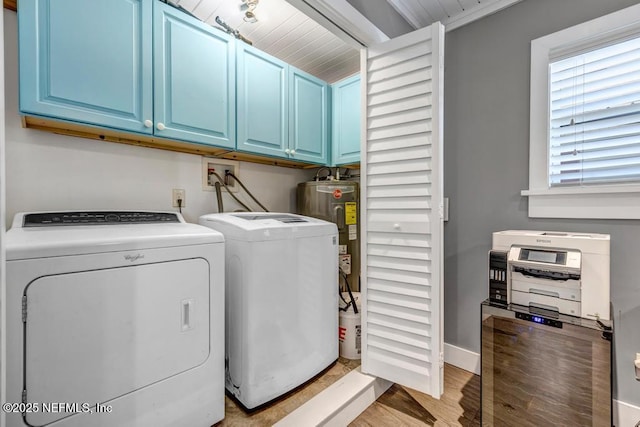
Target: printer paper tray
[(572, 308), (568, 289)]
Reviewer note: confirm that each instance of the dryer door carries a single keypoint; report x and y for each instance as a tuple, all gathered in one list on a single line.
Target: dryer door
[(93, 336)]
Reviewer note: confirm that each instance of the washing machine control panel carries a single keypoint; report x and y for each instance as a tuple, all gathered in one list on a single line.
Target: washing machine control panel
[(97, 218)]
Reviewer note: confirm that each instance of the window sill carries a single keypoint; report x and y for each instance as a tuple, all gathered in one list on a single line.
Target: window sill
[(621, 202)]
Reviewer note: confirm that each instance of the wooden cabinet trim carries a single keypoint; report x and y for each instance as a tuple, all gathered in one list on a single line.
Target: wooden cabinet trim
[(110, 135)]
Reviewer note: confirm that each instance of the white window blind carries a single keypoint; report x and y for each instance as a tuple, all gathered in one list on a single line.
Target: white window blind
[(594, 123)]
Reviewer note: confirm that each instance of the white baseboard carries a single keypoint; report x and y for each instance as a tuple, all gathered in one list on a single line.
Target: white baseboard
[(624, 414), (462, 358), (340, 403)]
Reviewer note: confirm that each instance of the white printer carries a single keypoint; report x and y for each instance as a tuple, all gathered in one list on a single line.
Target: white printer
[(562, 272)]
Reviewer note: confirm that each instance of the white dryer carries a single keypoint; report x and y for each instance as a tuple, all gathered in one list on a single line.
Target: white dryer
[(120, 309), (281, 301)]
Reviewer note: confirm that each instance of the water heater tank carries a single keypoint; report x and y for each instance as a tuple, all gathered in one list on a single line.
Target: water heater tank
[(337, 202)]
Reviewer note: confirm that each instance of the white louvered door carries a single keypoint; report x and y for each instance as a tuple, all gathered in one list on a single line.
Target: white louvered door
[(401, 178)]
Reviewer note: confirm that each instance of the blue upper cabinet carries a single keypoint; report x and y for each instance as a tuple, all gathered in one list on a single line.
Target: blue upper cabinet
[(262, 88), (146, 68), (87, 61), (132, 65), (308, 124), (194, 79), (345, 123), (282, 112)]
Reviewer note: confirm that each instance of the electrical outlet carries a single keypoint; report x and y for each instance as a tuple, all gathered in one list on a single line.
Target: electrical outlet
[(179, 193), (219, 166)]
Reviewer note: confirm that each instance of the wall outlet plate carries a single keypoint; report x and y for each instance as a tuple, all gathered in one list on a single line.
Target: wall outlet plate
[(210, 164), (179, 193)]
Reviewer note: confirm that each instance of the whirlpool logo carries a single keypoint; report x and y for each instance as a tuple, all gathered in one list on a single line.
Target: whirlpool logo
[(133, 258)]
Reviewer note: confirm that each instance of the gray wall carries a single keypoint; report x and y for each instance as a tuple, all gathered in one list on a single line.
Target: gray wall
[(486, 155)]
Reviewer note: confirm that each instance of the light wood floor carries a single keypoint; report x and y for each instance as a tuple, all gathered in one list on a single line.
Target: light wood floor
[(268, 415), (399, 406)]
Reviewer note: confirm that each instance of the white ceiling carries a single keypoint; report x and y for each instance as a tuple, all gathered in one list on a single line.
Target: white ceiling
[(451, 13), (288, 34)]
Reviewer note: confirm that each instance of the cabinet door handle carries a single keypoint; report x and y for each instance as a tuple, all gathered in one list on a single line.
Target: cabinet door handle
[(287, 151), (160, 126), (148, 123), (293, 152)]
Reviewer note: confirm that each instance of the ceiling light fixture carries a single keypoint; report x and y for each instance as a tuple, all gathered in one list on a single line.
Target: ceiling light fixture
[(249, 6), (250, 17)]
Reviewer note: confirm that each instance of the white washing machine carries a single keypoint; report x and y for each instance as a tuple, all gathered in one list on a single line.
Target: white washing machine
[(281, 301), (114, 319)]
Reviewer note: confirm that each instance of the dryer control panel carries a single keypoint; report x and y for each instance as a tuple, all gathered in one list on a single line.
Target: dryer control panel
[(46, 219)]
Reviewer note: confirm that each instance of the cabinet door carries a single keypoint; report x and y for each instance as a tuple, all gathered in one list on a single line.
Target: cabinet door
[(345, 141), (194, 79), (87, 61), (308, 125), (262, 102)]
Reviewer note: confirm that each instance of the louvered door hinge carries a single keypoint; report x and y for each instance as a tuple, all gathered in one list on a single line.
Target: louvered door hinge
[(24, 309), (441, 359)]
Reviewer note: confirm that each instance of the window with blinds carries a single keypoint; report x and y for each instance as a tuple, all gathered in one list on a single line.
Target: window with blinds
[(584, 120), (594, 120)]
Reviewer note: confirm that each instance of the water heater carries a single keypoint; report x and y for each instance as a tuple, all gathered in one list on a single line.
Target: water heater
[(337, 202)]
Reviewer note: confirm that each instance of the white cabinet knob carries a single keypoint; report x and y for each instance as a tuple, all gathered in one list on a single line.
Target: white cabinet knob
[(148, 123), (396, 226), (293, 152), (160, 126), (287, 151)]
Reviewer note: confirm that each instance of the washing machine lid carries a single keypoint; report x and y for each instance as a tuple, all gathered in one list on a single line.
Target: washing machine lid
[(47, 234), (261, 226)]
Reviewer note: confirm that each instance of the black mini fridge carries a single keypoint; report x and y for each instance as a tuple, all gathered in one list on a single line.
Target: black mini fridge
[(544, 369)]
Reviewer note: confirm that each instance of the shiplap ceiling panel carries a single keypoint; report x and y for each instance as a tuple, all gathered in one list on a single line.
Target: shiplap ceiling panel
[(288, 34), (295, 50), (335, 70), (452, 13), (468, 4), (452, 7), (281, 33), (434, 9)]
